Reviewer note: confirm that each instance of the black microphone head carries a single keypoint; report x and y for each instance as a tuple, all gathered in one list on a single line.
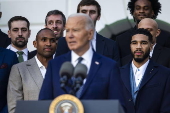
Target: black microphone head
[(80, 70), (66, 69)]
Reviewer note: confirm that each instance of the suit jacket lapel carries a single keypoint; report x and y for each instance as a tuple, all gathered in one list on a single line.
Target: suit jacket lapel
[(156, 52), (95, 64), (100, 43), (125, 75), (35, 72), (149, 73)]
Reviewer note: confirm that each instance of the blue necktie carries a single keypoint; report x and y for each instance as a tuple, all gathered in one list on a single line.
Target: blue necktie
[(78, 93)]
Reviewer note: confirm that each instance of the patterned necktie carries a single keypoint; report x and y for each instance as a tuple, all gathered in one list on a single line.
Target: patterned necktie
[(20, 57), (78, 93)]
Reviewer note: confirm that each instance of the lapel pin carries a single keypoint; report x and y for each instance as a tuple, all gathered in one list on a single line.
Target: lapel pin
[(151, 70), (97, 63)]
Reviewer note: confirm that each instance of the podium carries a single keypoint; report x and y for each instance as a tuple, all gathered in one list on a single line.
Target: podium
[(90, 106)]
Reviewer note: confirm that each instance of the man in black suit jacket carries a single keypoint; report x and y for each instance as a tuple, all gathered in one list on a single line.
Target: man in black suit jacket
[(99, 43), (19, 33), (140, 9), (159, 54), (54, 20), (4, 40), (146, 83)]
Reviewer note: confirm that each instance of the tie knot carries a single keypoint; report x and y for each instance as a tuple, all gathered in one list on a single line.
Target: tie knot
[(80, 59), (20, 52)]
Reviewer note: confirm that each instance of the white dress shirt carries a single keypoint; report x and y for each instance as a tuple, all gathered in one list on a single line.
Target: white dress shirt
[(87, 59), (41, 67), (151, 52), (139, 72), (25, 54), (93, 41)]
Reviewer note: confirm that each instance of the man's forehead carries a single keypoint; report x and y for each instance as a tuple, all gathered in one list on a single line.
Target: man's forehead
[(19, 23), (140, 37), (88, 7), (142, 3), (54, 17)]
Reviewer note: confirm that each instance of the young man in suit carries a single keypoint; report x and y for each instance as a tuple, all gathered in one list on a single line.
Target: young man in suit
[(26, 78), (146, 83), (100, 44), (4, 40), (159, 54), (7, 59), (141, 9), (54, 20), (19, 33), (103, 80)]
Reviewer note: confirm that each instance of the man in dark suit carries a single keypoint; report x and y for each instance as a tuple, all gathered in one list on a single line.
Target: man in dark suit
[(103, 80), (7, 59), (140, 9), (100, 44), (159, 54), (146, 83), (54, 20), (19, 33), (4, 40)]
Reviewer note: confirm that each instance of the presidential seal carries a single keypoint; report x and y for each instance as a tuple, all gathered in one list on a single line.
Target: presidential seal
[(66, 104)]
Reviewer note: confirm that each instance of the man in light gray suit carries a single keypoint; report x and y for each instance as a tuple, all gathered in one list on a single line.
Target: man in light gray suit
[(26, 78)]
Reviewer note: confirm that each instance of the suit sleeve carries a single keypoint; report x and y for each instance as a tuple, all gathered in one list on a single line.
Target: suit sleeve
[(14, 91), (46, 92)]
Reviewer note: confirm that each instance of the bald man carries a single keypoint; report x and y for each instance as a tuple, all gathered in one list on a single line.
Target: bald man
[(26, 78), (158, 54)]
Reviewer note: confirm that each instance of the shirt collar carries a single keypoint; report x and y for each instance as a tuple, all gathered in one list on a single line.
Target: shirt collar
[(87, 56), (15, 50), (142, 68), (94, 36), (151, 52), (38, 62)]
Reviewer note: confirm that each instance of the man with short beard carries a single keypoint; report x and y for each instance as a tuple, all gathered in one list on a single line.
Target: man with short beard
[(54, 20), (19, 33), (146, 83)]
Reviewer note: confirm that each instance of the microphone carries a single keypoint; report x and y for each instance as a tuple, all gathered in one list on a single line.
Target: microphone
[(66, 71), (80, 73)]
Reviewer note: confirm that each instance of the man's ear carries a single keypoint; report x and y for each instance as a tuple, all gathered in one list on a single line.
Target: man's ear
[(158, 32), (35, 43), (91, 34), (9, 33), (29, 33)]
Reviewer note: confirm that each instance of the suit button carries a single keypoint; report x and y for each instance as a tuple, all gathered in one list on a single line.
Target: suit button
[(130, 100)]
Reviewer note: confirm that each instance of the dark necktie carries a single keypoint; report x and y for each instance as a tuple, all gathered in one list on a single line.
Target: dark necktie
[(20, 57), (79, 60), (78, 93)]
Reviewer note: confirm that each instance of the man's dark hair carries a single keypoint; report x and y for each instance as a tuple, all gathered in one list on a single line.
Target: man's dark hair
[(144, 32), (156, 7), (43, 30), (55, 12), (17, 18), (87, 3)]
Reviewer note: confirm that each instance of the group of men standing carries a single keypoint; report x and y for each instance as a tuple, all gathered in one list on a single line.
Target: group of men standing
[(142, 84)]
